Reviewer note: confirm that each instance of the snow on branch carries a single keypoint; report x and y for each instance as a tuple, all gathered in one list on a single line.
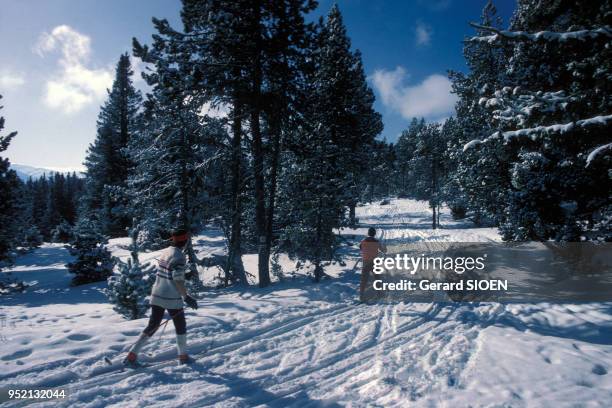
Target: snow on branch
[(535, 131), (514, 107), (580, 35), (601, 149), (473, 143)]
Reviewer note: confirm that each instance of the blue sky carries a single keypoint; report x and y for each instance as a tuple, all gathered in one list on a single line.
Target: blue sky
[(58, 58)]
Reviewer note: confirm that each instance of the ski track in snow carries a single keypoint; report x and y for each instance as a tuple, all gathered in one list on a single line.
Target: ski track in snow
[(298, 344)]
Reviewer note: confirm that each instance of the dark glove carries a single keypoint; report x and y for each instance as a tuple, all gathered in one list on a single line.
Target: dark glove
[(191, 302)]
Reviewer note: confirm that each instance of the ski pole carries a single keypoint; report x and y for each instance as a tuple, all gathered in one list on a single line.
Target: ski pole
[(165, 324)]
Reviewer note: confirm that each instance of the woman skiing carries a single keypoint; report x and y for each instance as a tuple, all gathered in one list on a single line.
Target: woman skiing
[(168, 293)]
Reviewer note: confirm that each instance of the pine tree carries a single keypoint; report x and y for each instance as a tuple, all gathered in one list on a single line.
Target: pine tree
[(93, 262), (106, 161), (244, 55), (313, 203), (174, 150), (56, 201), (280, 41), (405, 149), (379, 180), (257, 52), (130, 286), (212, 56), (346, 103), (31, 238), (63, 232), (479, 178), (553, 119), (39, 191), (9, 186), (452, 192), (49, 205), (287, 49), (171, 157), (329, 149), (427, 169)]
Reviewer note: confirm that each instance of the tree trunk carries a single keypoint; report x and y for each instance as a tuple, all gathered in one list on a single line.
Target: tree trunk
[(318, 272), (260, 203), (276, 147), (258, 155), (235, 268), (433, 217), (352, 219), (185, 213), (434, 190)]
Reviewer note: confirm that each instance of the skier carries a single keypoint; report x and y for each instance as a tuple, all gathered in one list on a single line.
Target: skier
[(370, 247), (168, 293)]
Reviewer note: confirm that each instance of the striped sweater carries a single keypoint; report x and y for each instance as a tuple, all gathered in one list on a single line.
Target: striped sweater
[(171, 267)]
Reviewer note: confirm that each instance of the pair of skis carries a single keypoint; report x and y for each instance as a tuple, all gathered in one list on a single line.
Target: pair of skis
[(114, 365)]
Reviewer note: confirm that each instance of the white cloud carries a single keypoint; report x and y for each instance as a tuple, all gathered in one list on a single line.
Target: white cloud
[(10, 80), (75, 47), (423, 34), (75, 85), (431, 99)]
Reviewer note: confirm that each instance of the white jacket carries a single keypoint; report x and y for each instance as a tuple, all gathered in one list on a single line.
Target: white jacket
[(171, 267)]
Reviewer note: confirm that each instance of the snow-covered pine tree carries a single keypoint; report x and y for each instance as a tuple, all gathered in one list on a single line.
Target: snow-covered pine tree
[(176, 147), (478, 179), (168, 182), (212, 55), (61, 203), (256, 54), (346, 104), (9, 186), (427, 168), (106, 161), (93, 262), (62, 233), (130, 285), (404, 151), (328, 150), (554, 119), (286, 49), (378, 182), (50, 203), (244, 55), (279, 35), (313, 202), (365, 124), (39, 194), (55, 201), (31, 237), (451, 191)]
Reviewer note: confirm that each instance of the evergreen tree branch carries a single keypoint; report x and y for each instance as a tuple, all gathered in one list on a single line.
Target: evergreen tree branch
[(580, 35)]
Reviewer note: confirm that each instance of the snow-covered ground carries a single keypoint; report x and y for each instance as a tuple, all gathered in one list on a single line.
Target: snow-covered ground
[(300, 344)]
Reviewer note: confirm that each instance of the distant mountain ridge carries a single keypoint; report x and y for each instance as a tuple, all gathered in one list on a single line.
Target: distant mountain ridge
[(25, 172)]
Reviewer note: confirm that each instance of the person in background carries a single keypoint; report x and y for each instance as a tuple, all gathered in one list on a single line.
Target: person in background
[(168, 293), (370, 248)]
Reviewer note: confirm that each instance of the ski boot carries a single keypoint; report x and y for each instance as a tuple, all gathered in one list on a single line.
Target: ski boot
[(185, 359)]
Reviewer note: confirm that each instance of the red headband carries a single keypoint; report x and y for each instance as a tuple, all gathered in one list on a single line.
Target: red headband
[(180, 238)]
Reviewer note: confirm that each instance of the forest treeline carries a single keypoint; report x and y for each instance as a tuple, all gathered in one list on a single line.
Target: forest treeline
[(262, 123)]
